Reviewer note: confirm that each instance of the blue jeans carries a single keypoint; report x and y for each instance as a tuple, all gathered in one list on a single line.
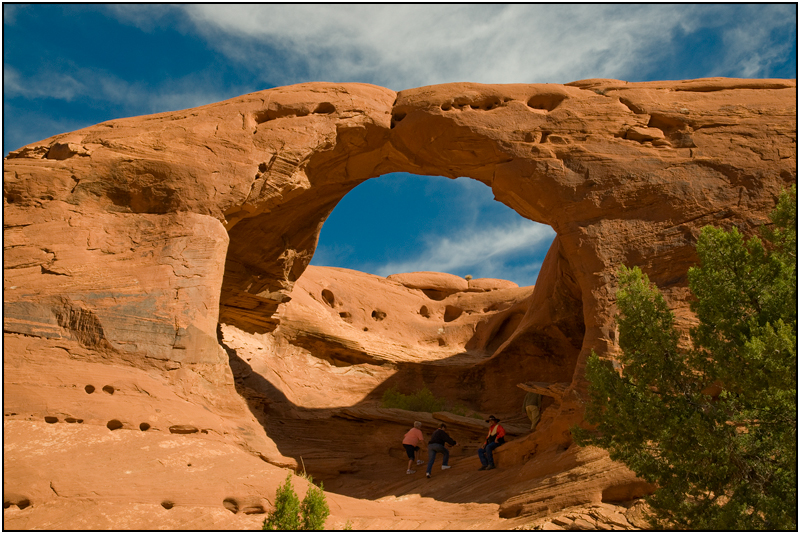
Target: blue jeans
[(433, 448), (485, 454)]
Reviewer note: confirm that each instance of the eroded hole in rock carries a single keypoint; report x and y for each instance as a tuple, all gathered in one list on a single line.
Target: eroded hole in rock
[(425, 312), (167, 505), (144, 427), (183, 429), (261, 117), (451, 313), (231, 504), (281, 112), (435, 294), (89, 389), (546, 101), (50, 419), (486, 104), (325, 108), (250, 509), (109, 389), (378, 315), (510, 512), (327, 296), (114, 424)]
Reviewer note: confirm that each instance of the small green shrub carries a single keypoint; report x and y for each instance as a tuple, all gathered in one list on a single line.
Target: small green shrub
[(291, 514), (314, 508), (421, 401), (286, 515)]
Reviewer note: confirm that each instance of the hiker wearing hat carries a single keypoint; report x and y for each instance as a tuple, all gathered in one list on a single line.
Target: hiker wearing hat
[(496, 437)]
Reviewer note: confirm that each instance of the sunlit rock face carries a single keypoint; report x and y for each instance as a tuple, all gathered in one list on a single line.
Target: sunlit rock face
[(159, 261)]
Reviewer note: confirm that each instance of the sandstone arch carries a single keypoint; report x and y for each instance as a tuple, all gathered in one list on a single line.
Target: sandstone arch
[(126, 243)]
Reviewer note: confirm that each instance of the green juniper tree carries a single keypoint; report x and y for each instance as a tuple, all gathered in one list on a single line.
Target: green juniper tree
[(713, 426), (314, 508), (291, 514), (286, 515)]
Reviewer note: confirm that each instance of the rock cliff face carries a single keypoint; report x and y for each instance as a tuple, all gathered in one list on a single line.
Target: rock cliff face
[(155, 315)]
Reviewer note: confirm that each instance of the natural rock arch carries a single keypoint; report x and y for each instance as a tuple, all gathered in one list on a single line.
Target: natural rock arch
[(133, 238)]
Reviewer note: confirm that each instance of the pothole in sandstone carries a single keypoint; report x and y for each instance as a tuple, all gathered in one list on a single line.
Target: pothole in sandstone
[(362, 319)]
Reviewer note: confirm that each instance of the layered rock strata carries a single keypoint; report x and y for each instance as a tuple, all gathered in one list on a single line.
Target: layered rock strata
[(128, 243)]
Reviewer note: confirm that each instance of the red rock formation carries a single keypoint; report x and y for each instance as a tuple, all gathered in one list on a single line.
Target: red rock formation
[(127, 243)]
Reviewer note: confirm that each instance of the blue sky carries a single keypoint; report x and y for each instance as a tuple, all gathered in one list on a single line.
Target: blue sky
[(70, 66)]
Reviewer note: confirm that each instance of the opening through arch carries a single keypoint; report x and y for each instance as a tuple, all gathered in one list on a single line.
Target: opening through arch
[(401, 223), (361, 324)]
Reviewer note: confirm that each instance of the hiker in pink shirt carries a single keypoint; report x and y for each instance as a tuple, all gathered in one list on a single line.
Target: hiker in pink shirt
[(411, 443)]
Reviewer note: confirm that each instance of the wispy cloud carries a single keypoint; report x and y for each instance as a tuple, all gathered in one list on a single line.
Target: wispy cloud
[(481, 250), (746, 48), (10, 13), (97, 89), (83, 83), (402, 46), (52, 85)]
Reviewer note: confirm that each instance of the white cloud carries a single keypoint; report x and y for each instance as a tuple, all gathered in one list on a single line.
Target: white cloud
[(134, 97), (402, 46), (53, 85), (481, 250), (126, 98), (10, 12), (745, 50)]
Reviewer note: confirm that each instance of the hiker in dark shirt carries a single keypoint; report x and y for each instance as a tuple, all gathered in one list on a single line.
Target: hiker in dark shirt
[(439, 439)]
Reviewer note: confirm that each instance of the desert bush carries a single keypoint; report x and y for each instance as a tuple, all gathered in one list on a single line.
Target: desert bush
[(291, 514), (314, 508), (424, 401), (286, 515), (421, 401)]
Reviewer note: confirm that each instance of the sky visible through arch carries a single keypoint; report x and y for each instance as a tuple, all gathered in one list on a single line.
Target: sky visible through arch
[(66, 67)]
